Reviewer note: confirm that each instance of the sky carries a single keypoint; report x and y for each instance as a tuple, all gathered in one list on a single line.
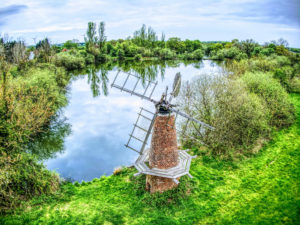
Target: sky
[(206, 20)]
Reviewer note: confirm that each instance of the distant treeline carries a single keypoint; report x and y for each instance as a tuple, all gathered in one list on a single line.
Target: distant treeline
[(144, 44)]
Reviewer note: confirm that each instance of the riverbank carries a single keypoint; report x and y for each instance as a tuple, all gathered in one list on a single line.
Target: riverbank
[(260, 189)]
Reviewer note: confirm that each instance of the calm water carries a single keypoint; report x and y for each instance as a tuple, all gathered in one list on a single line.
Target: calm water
[(87, 140)]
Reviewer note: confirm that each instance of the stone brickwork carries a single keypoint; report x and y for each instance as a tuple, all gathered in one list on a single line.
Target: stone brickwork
[(163, 152)]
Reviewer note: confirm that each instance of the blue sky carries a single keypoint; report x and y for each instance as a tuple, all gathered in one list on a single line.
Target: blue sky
[(262, 20)]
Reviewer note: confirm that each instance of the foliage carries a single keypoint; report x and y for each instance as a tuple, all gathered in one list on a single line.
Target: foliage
[(13, 51), (281, 110), (70, 61), (176, 45), (145, 37), (239, 118), (43, 51), (90, 38), (167, 54), (21, 178), (102, 37), (27, 104), (70, 44)]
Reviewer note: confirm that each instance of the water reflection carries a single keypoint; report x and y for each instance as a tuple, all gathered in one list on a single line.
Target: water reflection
[(100, 124), (97, 78), (51, 140)]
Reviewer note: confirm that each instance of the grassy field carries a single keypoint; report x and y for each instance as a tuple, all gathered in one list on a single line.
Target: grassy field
[(262, 189)]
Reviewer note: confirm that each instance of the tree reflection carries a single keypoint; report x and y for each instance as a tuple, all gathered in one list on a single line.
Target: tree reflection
[(51, 140), (98, 77), (147, 70)]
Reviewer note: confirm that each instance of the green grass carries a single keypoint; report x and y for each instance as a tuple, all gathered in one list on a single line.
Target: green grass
[(262, 189)]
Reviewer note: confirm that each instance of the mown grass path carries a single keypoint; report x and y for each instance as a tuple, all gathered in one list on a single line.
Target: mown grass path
[(262, 189)]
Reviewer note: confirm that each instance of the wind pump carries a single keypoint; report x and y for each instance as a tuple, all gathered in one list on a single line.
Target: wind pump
[(162, 163)]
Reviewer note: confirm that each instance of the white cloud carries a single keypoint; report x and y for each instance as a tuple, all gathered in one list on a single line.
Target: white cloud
[(206, 20)]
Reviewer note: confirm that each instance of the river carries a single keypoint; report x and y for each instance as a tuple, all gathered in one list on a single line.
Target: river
[(88, 137)]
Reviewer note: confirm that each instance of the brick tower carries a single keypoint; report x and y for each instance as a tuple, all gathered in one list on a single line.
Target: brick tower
[(163, 152)]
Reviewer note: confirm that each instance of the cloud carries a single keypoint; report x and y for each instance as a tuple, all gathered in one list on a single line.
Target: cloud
[(9, 11), (202, 19), (274, 11)]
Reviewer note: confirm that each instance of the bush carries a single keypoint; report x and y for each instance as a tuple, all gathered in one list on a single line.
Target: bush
[(21, 178), (28, 104), (198, 54), (239, 118), (280, 60), (241, 56), (69, 61), (280, 109), (267, 51), (284, 75), (167, 54), (217, 55), (89, 59)]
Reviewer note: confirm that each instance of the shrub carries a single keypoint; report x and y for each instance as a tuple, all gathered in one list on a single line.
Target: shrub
[(89, 59), (28, 104), (198, 54), (167, 54), (217, 55), (240, 56), (239, 118), (69, 61), (187, 56), (263, 65), (280, 109), (284, 75), (280, 60), (156, 51), (21, 178)]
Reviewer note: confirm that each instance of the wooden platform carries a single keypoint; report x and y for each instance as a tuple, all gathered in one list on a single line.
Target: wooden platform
[(180, 170)]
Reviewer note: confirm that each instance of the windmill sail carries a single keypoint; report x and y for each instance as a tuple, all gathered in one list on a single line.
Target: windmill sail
[(135, 85), (176, 85), (191, 118), (138, 138)]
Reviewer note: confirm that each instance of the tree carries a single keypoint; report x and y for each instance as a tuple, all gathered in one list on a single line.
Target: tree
[(176, 44), (248, 46), (90, 39), (70, 44), (163, 37), (102, 37), (43, 50), (283, 42), (145, 37)]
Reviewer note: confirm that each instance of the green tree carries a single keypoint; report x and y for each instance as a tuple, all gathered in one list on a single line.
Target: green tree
[(248, 46), (43, 50), (176, 44), (70, 44), (91, 37), (102, 37)]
